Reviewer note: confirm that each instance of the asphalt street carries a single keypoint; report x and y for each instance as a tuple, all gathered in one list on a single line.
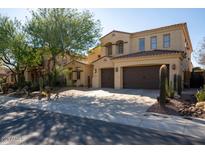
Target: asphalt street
[(19, 125)]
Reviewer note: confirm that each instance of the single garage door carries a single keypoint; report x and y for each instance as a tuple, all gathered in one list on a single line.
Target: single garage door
[(141, 77), (107, 78)]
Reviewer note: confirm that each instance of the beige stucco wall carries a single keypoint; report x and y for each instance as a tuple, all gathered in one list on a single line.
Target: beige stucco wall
[(94, 54), (113, 38), (132, 40), (177, 42), (86, 70)]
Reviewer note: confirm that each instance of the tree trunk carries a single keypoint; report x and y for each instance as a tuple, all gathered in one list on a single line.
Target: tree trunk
[(54, 72)]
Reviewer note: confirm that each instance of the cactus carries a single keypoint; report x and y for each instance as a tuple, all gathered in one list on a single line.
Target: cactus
[(163, 74), (179, 84), (175, 82), (170, 90)]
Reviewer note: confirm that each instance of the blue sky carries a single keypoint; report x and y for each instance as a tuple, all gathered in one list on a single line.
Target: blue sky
[(132, 20)]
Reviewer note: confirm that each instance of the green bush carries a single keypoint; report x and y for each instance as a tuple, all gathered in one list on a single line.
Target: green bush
[(5, 88), (41, 83), (200, 95)]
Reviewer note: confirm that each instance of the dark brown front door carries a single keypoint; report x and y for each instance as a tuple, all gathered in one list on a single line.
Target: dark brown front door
[(107, 78), (141, 77)]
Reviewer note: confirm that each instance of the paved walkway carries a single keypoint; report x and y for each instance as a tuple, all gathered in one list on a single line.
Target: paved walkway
[(118, 106)]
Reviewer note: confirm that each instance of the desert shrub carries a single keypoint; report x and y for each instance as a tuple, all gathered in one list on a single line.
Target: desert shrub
[(35, 86), (5, 88), (28, 83), (1, 83), (41, 83), (200, 95), (13, 87)]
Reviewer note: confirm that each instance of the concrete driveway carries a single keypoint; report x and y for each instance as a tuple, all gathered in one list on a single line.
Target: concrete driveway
[(119, 106)]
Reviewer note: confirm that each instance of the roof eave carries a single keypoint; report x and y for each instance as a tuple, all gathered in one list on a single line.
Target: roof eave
[(185, 30), (148, 56)]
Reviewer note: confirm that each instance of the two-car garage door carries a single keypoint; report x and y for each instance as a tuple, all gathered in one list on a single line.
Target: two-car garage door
[(141, 77), (136, 77)]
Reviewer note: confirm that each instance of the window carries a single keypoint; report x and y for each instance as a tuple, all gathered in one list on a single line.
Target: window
[(70, 73), (141, 44), (166, 41), (109, 49), (78, 75), (153, 42), (120, 47)]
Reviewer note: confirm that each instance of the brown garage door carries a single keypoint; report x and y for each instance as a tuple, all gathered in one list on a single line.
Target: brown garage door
[(144, 77), (107, 78)]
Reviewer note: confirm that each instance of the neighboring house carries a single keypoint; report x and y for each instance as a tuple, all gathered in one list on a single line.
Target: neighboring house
[(132, 60), (7, 75), (77, 73)]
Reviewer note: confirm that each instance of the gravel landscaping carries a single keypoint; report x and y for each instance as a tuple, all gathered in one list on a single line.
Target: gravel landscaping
[(186, 105)]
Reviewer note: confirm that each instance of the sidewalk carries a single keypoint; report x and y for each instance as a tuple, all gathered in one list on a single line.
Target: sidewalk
[(160, 122)]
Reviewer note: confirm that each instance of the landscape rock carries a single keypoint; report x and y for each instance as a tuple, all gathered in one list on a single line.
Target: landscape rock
[(200, 105)]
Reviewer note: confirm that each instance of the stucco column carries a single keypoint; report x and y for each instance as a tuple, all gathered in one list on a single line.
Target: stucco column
[(175, 68), (118, 77), (96, 80), (114, 50)]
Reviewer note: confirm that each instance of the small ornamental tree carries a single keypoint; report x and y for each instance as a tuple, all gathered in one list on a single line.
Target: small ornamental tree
[(15, 52), (63, 31)]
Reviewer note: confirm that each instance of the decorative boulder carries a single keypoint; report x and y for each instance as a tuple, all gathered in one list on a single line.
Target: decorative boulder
[(200, 105)]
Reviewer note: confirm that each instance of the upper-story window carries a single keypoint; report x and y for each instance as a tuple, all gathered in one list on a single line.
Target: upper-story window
[(109, 49), (166, 41), (120, 47), (153, 42), (142, 44)]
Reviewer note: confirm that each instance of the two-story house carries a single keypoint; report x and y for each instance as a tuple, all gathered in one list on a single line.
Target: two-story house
[(128, 60), (132, 60)]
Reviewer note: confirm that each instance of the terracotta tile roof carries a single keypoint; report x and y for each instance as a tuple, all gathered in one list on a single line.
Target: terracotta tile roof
[(149, 53), (100, 58), (79, 61)]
